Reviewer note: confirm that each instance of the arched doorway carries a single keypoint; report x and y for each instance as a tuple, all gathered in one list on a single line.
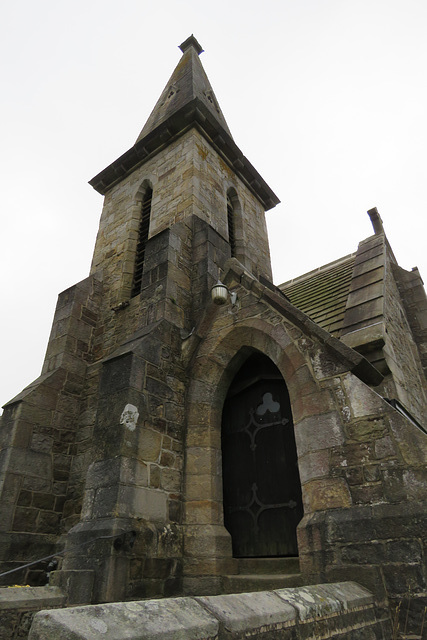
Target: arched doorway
[(261, 485)]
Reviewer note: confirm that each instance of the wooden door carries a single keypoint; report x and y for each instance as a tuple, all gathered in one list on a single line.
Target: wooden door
[(262, 491)]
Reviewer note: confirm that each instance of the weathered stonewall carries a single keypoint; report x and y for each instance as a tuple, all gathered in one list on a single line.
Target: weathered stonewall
[(18, 606), (341, 610)]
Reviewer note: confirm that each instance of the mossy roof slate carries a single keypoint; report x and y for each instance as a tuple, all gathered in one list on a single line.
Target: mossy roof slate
[(322, 294)]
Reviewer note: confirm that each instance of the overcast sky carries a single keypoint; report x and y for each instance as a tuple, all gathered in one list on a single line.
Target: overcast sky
[(326, 98)]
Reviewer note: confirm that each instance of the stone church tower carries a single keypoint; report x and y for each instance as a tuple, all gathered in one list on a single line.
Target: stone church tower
[(169, 438)]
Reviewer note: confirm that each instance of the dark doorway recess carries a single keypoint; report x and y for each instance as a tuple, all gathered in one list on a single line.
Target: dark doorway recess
[(262, 490)]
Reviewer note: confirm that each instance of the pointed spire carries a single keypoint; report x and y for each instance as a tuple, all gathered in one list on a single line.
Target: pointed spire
[(187, 101), (188, 82)]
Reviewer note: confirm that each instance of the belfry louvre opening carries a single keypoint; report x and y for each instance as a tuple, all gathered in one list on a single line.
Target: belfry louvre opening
[(231, 231), (144, 227)]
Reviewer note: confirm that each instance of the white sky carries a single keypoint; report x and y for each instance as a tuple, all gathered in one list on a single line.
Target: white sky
[(326, 98)]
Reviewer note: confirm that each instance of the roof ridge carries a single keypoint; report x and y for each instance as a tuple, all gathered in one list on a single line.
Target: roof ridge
[(322, 279), (319, 270)]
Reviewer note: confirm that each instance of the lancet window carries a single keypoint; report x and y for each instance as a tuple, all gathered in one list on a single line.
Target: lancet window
[(144, 227), (231, 225)]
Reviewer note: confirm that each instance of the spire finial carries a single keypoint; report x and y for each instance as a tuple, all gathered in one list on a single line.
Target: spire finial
[(191, 42), (377, 223)]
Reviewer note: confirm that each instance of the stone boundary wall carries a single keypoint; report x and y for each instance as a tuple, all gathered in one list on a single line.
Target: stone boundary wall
[(342, 611), (18, 606)]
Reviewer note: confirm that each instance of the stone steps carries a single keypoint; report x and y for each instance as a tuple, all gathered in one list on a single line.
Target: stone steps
[(248, 582), (263, 574), (266, 566)]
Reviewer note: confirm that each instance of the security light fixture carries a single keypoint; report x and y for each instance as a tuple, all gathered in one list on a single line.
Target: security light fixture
[(219, 293)]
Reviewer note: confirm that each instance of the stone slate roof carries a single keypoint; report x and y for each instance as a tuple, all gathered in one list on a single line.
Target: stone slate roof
[(322, 294)]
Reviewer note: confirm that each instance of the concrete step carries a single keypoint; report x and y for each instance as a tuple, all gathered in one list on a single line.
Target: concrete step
[(247, 582), (268, 566)]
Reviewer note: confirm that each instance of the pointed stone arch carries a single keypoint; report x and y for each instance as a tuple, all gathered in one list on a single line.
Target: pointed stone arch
[(207, 544)]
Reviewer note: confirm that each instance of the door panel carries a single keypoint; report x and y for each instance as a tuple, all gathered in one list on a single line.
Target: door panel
[(262, 491)]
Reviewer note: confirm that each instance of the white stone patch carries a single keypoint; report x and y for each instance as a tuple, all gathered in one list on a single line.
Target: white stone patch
[(99, 625), (346, 413), (414, 487), (336, 429), (129, 417), (317, 365), (306, 596), (363, 400)]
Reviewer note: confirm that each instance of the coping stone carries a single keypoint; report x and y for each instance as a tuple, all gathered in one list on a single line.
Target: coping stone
[(30, 598), (350, 594), (247, 611), (321, 600), (174, 618), (202, 618)]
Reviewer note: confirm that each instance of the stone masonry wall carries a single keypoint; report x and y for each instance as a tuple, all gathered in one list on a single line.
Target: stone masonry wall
[(189, 178), (363, 323), (38, 435), (362, 464), (379, 321), (413, 294), (19, 605), (166, 416), (133, 482), (401, 351), (181, 264), (165, 294), (187, 246), (170, 273), (341, 611)]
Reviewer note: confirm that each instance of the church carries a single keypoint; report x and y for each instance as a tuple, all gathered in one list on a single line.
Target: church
[(197, 430)]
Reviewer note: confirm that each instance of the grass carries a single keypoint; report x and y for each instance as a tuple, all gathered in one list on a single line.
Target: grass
[(401, 634)]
